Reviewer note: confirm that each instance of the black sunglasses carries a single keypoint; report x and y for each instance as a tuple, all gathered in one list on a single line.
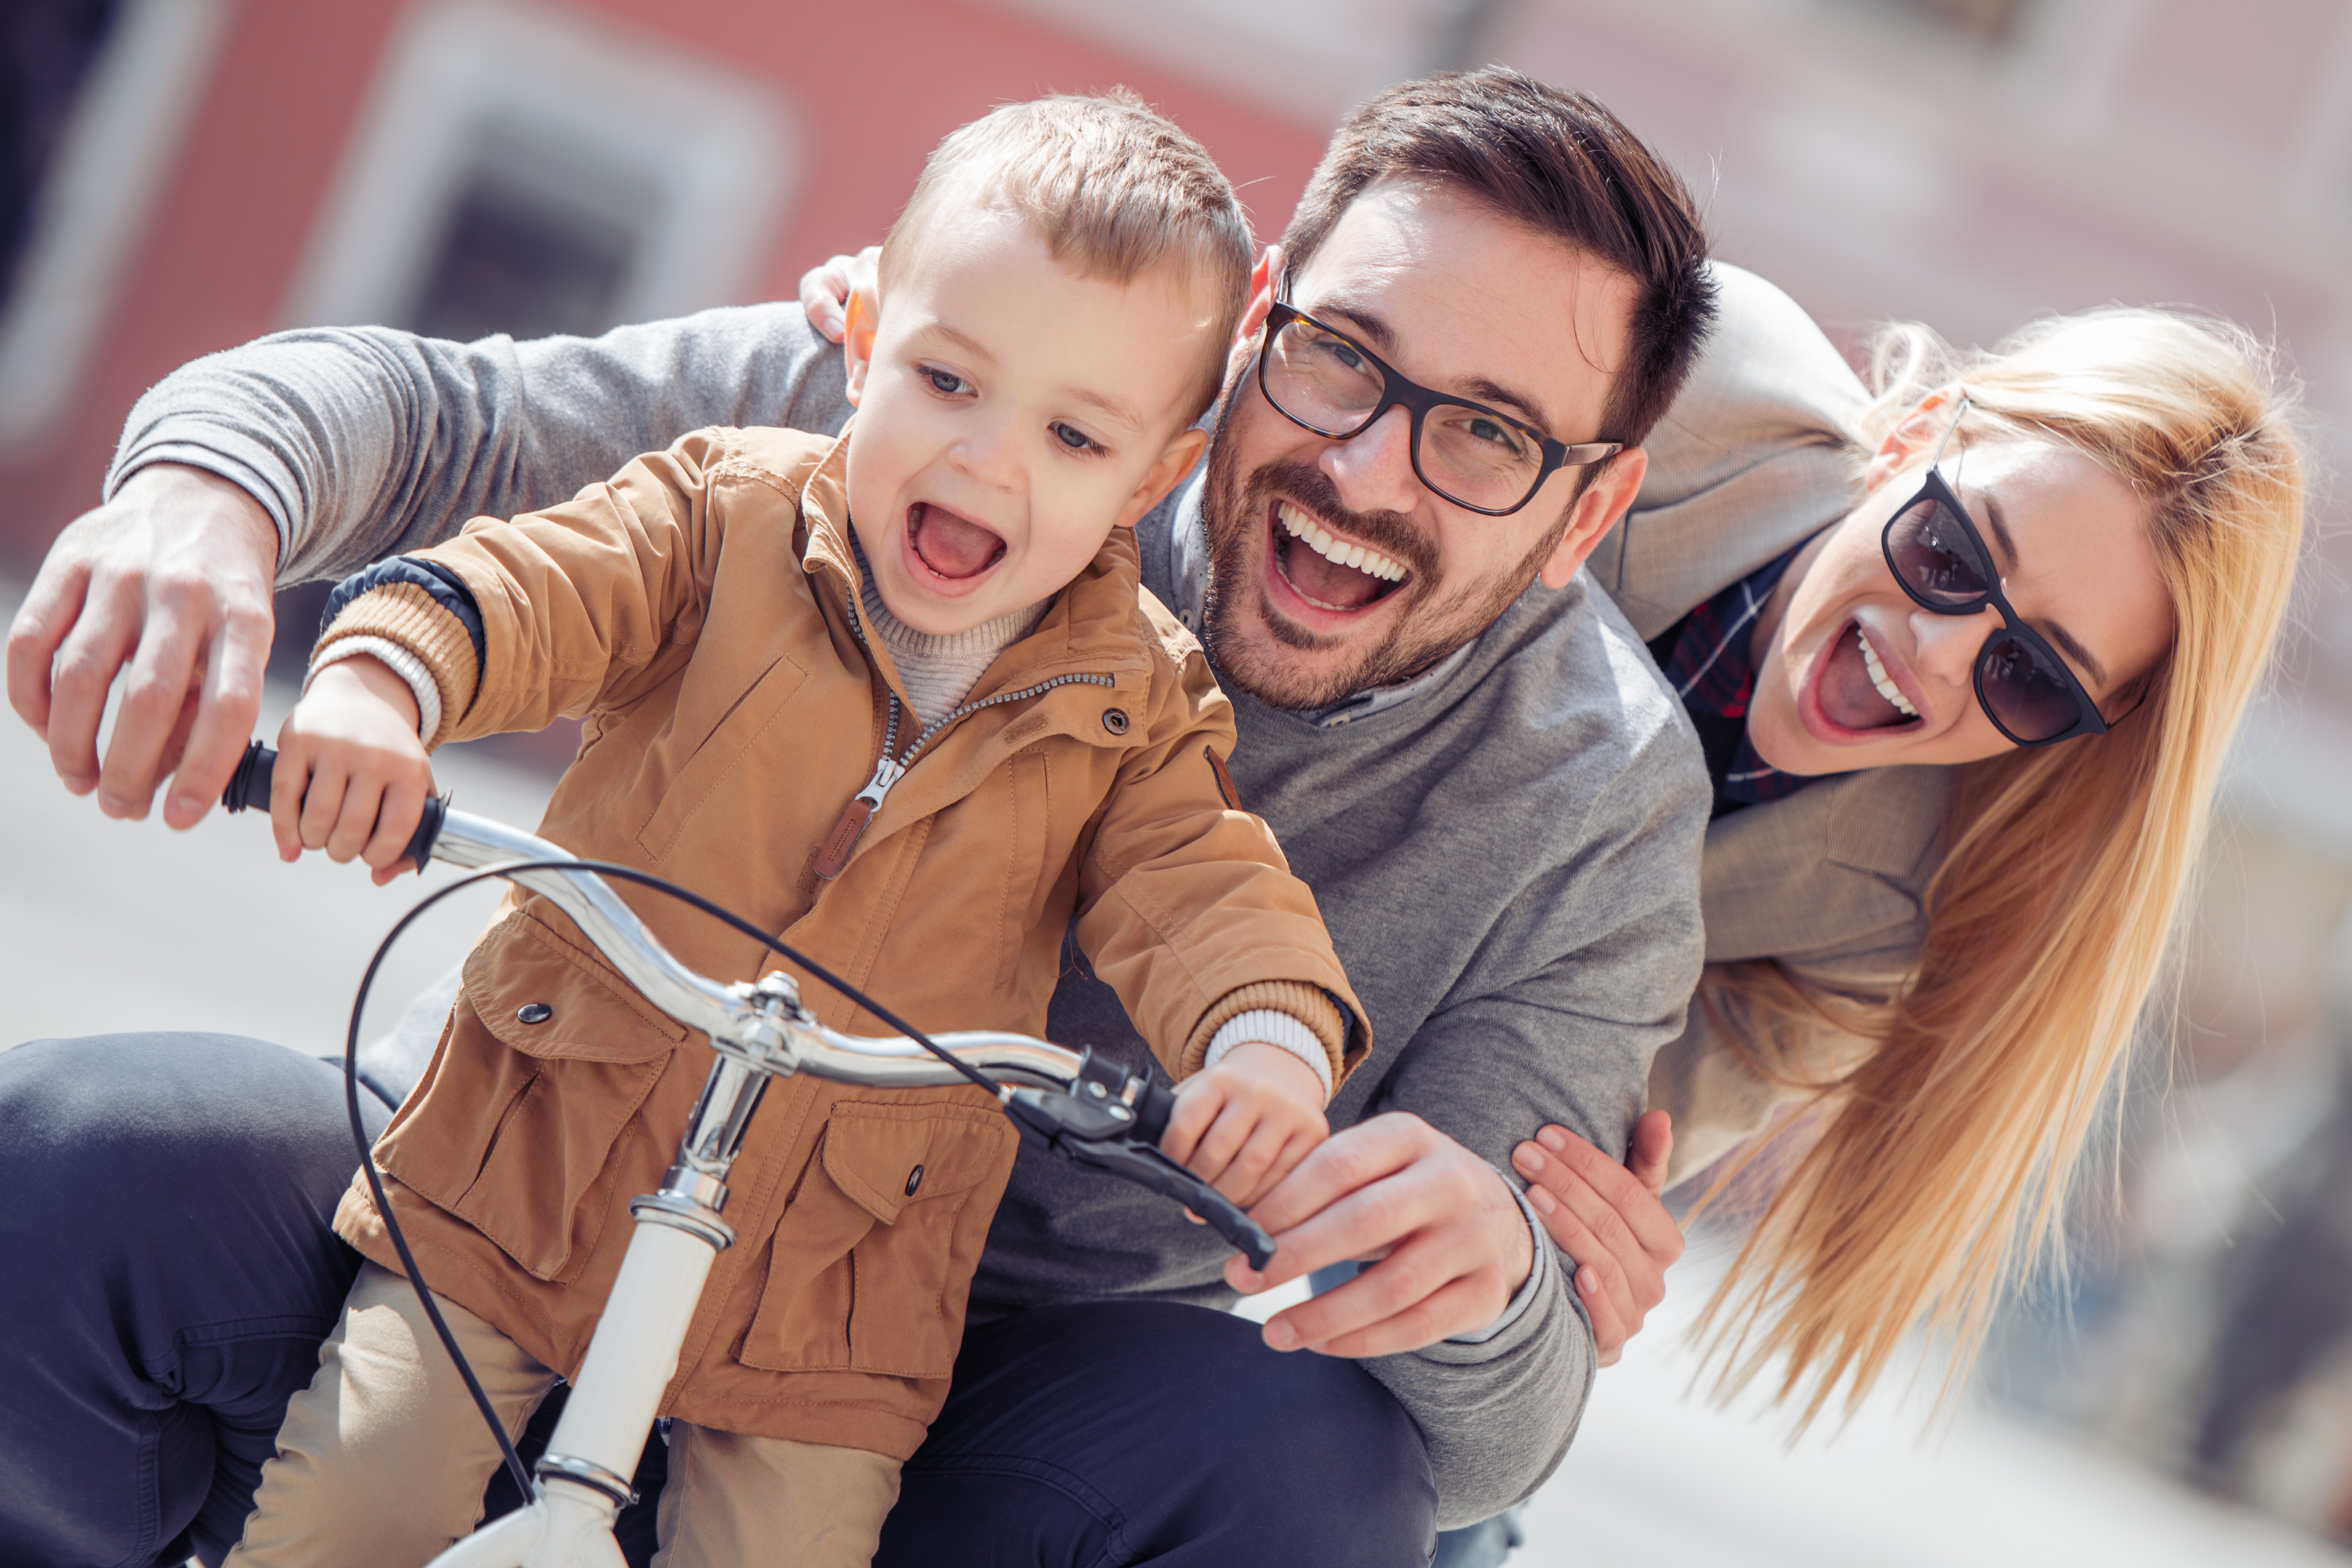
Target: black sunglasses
[(1324, 380), (1938, 555)]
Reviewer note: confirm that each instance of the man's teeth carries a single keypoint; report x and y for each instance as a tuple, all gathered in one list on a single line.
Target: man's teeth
[(1319, 539), (1886, 688)]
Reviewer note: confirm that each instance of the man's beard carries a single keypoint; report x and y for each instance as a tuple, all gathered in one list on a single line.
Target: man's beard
[(1427, 626)]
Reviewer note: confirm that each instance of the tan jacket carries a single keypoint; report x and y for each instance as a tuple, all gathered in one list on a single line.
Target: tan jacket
[(696, 608)]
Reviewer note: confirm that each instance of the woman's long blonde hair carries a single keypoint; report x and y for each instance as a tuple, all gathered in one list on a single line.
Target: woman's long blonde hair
[(1938, 1167)]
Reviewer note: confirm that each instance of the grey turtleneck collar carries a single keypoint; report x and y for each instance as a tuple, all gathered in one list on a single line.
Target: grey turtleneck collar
[(939, 672)]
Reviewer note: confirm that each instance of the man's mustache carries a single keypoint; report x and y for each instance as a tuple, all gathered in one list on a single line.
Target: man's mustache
[(1312, 489)]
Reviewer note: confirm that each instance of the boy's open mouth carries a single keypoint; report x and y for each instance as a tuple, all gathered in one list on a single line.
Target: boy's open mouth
[(1326, 571), (1854, 690), (954, 548)]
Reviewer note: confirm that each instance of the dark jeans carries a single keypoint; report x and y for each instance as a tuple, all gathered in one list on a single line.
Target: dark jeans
[(166, 1274)]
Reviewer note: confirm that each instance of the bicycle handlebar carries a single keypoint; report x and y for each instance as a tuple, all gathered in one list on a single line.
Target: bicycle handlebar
[(1102, 1116)]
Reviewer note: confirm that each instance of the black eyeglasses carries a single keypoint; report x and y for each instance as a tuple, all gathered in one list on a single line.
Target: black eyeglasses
[(1933, 548), (1322, 380)]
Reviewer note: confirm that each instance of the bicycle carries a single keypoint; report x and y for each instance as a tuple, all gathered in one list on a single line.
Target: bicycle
[(1089, 1111)]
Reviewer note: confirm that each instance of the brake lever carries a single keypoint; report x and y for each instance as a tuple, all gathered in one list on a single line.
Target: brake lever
[(1103, 1132)]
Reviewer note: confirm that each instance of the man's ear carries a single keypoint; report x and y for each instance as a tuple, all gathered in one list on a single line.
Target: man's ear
[(1165, 474), (1265, 282), (1596, 511), (858, 342), (1914, 436)]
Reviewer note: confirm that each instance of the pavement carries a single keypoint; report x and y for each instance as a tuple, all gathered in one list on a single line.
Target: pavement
[(112, 925)]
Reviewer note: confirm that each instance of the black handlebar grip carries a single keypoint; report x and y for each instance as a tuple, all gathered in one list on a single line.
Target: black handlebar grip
[(248, 788), (428, 827), (1152, 1109), (249, 785)]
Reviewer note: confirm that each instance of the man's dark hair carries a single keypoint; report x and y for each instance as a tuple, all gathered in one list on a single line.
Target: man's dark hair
[(1560, 164)]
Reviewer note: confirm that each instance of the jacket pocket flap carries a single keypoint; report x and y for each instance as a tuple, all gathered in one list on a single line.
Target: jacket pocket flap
[(884, 1156), (525, 970)]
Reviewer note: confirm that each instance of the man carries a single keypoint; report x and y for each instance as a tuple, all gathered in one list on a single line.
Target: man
[(1463, 748)]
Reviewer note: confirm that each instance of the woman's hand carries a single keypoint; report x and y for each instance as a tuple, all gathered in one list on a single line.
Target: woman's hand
[(351, 775), (1607, 1219), (825, 291)]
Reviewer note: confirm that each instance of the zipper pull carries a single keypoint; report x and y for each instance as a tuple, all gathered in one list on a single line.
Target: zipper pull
[(854, 818)]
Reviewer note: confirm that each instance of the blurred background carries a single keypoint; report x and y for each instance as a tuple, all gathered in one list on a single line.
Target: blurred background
[(179, 175)]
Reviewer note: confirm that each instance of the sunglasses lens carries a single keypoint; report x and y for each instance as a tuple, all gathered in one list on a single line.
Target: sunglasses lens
[(2032, 701), (1934, 557)]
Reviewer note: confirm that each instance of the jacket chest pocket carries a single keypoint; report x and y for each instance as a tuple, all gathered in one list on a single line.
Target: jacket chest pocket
[(873, 1259), (543, 1067)]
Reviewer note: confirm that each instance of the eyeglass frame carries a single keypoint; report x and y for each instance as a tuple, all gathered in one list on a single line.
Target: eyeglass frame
[(1398, 390), (2088, 719)]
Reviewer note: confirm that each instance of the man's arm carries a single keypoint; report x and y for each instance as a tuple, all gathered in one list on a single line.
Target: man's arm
[(1572, 992), (363, 443), (348, 446)]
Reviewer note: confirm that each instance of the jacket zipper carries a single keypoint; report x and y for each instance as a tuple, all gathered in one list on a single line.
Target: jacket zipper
[(887, 770)]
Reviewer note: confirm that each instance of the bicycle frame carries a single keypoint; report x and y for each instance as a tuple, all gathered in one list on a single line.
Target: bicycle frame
[(1080, 1107), (760, 1031)]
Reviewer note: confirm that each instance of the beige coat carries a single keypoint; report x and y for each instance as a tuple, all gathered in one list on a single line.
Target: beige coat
[(1756, 454), (696, 608)]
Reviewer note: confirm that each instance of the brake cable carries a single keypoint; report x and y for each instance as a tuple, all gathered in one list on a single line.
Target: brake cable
[(365, 1145)]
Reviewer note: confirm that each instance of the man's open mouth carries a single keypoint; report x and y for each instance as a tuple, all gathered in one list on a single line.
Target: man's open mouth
[(1854, 690), (951, 547), (1326, 571)]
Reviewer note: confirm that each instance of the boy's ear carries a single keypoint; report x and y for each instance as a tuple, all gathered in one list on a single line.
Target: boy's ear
[(1265, 282), (1164, 477), (858, 342)]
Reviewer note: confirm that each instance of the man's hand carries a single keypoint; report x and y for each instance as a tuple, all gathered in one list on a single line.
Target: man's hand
[(825, 291), (351, 776), (170, 579), (1607, 1219), (1452, 1242), (1245, 1124)]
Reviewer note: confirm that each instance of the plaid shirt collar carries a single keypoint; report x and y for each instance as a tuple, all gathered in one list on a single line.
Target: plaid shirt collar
[(1710, 670)]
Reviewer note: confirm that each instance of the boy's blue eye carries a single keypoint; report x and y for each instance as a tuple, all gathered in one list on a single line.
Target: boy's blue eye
[(946, 383), (1076, 440)]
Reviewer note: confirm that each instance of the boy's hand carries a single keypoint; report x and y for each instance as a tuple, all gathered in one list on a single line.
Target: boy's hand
[(351, 776), (1245, 1124)]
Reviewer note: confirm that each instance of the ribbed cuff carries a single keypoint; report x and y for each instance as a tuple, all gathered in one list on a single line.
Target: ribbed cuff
[(406, 616), (1266, 1026), (401, 662), (1309, 1005)]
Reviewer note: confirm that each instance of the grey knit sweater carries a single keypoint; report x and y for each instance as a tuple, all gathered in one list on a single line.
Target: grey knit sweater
[(1506, 855)]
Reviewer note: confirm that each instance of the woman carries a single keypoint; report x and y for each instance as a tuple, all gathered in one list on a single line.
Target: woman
[(2038, 632)]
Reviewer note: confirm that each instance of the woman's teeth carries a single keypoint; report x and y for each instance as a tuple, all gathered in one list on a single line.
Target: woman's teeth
[(1886, 688), (1317, 538)]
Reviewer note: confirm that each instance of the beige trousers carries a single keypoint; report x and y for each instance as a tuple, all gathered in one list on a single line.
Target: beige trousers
[(382, 1460)]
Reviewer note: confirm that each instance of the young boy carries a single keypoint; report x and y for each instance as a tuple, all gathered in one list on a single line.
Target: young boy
[(768, 631)]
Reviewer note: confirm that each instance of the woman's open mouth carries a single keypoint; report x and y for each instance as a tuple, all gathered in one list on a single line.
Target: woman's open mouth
[(1330, 573), (1853, 694), (946, 552)]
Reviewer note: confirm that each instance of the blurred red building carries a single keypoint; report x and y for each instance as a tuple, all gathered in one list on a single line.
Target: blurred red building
[(465, 167)]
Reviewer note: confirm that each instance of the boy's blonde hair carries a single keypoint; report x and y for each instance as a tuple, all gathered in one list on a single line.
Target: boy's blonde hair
[(1113, 189)]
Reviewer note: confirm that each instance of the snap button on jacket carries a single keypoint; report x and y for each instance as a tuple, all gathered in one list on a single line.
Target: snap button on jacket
[(695, 611)]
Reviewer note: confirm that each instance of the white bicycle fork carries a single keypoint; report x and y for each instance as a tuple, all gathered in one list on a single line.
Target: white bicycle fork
[(583, 1478)]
